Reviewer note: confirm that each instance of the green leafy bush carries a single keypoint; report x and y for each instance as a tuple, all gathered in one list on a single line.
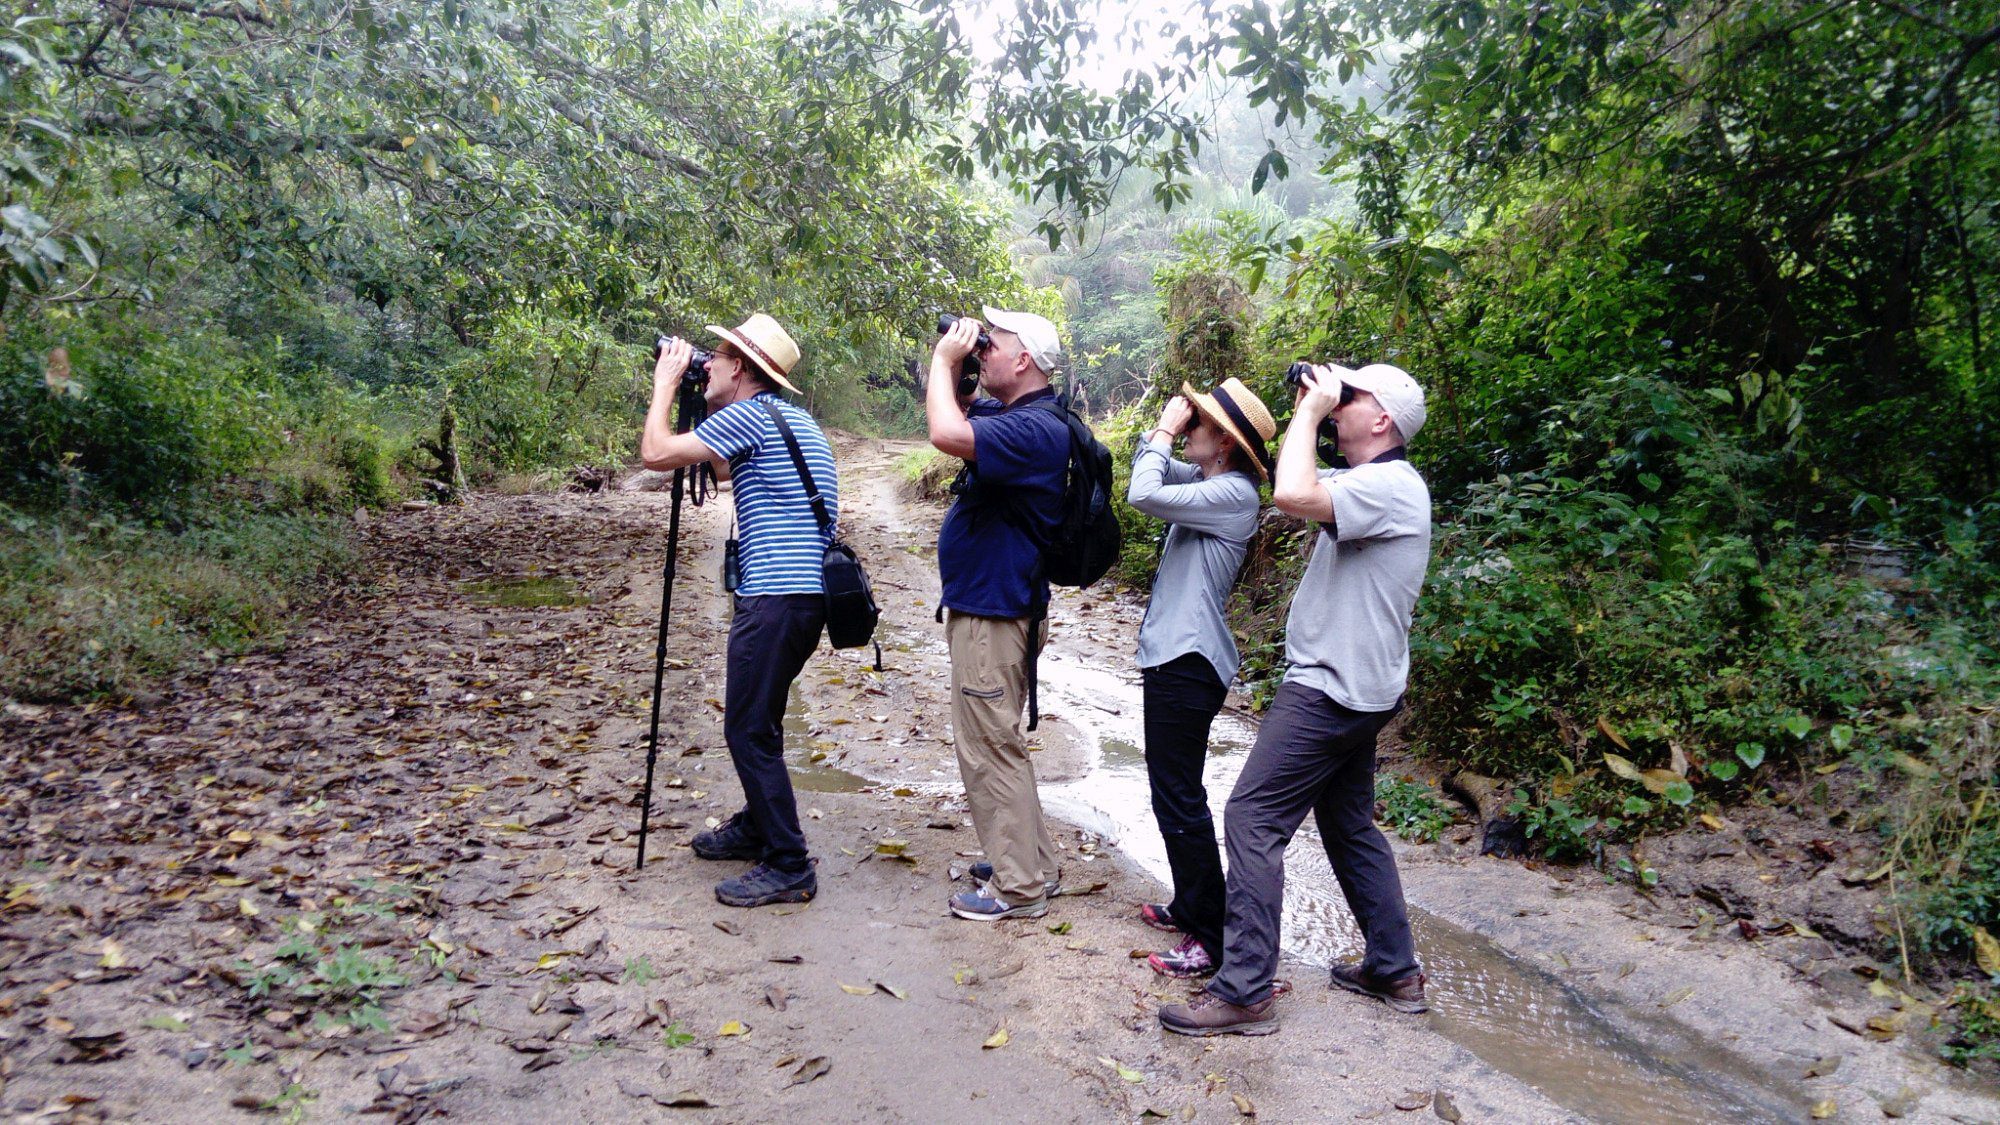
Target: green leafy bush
[(125, 415), (1410, 810)]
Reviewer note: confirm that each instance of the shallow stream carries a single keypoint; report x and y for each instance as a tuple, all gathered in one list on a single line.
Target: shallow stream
[(1608, 1061)]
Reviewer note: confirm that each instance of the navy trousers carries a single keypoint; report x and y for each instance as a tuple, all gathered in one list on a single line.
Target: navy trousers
[(770, 639)]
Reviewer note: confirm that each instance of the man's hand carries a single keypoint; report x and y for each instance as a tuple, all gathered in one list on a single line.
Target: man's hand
[(955, 345), (673, 363), (944, 407), (1318, 394), (1174, 418)]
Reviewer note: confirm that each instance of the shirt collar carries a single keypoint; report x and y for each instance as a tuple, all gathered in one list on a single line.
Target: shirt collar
[(1045, 392), (1399, 453)]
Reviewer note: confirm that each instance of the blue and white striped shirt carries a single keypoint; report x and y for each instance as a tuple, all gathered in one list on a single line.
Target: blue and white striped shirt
[(779, 541)]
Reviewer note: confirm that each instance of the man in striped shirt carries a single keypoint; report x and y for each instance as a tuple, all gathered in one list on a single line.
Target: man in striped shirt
[(780, 599)]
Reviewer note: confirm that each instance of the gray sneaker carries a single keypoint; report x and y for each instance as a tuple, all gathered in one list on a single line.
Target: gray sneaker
[(984, 873), (986, 905)]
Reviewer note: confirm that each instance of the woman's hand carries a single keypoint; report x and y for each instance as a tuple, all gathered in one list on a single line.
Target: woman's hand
[(1174, 417)]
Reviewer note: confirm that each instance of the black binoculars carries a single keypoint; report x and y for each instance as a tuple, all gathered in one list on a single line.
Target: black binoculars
[(968, 368), (1297, 373), (696, 375)]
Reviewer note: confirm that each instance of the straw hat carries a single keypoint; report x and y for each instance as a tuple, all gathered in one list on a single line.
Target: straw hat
[(1238, 412), (765, 344)]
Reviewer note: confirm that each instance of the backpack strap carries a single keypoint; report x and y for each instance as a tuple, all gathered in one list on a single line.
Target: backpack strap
[(813, 497)]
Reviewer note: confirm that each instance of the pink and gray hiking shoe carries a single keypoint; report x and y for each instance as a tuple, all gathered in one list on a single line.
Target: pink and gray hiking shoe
[(1188, 959)]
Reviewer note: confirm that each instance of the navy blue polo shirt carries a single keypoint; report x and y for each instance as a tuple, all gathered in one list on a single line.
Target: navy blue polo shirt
[(1021, 463)]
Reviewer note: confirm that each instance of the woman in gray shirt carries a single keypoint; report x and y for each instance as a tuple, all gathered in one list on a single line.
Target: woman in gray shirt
[(1186, 654)]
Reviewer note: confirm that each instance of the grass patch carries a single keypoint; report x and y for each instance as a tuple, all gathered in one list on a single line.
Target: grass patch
[(927, 474), (104, 607)]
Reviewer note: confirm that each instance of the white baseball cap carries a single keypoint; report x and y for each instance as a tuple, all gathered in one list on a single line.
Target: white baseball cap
[(1402, 400), (1037, 333)]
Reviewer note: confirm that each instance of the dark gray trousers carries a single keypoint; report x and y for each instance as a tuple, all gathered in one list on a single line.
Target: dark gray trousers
[(1312, 755), (770, 639)]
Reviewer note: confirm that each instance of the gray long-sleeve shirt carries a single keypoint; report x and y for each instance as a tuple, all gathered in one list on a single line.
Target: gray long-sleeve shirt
[(1210, 522)]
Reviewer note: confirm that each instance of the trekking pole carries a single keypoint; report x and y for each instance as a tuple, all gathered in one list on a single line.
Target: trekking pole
[(689, 405)]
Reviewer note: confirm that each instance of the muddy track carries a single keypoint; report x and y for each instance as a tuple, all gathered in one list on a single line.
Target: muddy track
[(388, 868)]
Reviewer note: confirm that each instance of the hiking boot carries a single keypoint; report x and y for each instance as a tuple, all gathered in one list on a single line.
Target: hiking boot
[(763, 885), (985, 905), (1209, 1014), (1155, 914), (733, 839), (1188, 959), (1405, 994), (984, 873)]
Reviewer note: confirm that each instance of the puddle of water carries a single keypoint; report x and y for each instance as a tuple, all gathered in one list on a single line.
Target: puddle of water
[(527, 591), (1611, 1062), (811, 776)]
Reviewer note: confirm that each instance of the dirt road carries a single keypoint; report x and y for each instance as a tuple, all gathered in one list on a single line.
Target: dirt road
[(389, 868)]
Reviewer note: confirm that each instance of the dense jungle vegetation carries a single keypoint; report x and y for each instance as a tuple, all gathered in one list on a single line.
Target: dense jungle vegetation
[(1697, 291)]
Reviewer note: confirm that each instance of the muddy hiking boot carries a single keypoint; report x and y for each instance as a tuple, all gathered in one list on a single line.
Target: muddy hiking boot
[(1405, 994), (733, 839), (762, 886), (1188, 959), (1209, 1014), (984, 873), (1155, 914)]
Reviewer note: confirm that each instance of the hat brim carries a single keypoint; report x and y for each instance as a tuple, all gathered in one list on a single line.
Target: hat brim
[(750, 355), (1213, 411)]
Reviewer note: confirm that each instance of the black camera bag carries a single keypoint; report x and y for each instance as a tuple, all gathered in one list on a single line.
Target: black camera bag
[(851, 612)]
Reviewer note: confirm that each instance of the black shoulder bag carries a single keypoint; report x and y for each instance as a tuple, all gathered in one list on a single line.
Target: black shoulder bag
[(851, 612)]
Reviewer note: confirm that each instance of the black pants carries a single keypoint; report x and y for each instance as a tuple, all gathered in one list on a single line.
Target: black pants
[(1312, 755), (769, 641), (1181, 698)]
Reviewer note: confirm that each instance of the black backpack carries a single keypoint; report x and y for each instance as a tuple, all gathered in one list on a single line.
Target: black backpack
[(1086, 539)]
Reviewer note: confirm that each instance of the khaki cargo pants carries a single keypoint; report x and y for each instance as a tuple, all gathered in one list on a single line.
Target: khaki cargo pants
[(989, 688)]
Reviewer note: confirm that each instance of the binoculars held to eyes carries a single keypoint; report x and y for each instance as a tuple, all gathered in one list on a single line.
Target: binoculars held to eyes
[(696, 375), (1329, 435), (968, 368)]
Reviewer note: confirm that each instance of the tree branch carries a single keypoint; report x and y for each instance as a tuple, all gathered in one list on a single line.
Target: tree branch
[(631, 144), (237, 14)]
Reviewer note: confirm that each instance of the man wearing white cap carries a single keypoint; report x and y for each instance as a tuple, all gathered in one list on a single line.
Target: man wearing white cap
[(780, 594), (1016, 449), (1347, 640)]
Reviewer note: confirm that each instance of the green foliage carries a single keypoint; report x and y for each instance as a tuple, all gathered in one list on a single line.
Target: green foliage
[(1410, 810), (1139, 550), (342, 984), (1976, 1038), (103, 606), (927, 474), (1944, 827), (1556, 826), (675, 1036), (124, 414), (545, 393)]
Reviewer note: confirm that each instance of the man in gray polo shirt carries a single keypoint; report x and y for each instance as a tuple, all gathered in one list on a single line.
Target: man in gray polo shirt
[(1347, 640)]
